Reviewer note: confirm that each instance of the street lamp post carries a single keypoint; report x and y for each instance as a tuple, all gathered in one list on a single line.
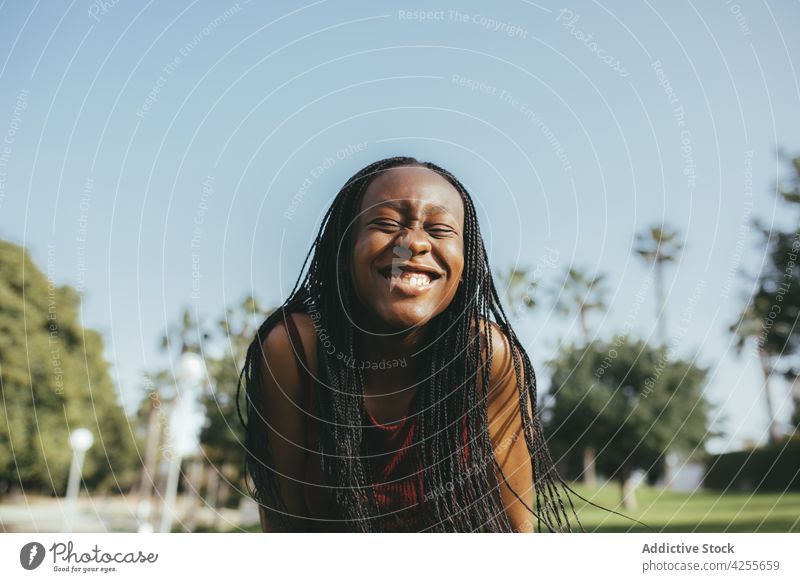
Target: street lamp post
[(80, 440), (184, 428)]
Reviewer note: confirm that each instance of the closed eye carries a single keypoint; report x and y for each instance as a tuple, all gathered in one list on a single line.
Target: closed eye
[(441, 230), (386, 224)]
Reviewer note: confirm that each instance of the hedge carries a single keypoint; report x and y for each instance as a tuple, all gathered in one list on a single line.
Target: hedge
[(770, 468)]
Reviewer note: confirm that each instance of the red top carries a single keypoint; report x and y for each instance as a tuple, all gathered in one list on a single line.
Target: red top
[(393, 452)]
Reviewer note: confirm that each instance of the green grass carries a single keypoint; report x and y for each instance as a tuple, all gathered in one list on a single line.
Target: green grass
[(702, 511)]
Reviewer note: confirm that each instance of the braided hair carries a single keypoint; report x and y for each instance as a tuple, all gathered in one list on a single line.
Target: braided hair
[(469, 498)]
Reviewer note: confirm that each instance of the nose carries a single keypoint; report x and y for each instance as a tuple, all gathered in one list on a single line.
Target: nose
[(414, 240)]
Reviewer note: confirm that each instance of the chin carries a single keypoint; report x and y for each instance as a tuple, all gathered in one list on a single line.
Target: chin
[(406, 318)]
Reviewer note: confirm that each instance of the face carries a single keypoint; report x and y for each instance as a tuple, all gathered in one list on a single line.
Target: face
[(408, 254)]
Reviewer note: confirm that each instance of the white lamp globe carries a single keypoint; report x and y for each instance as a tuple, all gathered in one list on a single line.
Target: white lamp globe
[(81, 439), (191, 368)]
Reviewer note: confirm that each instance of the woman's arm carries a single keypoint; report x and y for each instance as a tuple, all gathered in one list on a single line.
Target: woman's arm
[(286, 420), (505, 430)]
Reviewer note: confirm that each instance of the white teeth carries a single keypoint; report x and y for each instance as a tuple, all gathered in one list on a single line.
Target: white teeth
[(418, 280), (414, 279)]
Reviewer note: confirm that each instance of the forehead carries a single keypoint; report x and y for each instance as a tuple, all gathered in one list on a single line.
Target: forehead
[(416, 189)]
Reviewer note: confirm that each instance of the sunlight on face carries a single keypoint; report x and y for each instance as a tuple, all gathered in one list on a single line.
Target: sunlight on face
[(408, 254)]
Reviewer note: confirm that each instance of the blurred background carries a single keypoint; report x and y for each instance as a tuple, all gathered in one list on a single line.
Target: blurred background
[(164, 168)]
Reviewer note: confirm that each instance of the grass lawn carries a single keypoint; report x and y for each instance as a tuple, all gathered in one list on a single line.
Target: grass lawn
[(702, 511)]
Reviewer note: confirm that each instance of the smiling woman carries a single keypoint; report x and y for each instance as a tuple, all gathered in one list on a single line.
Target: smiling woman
[(408, 254), (452, 441)]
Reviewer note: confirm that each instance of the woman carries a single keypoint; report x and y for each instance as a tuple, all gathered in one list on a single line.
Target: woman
[(389, 392)]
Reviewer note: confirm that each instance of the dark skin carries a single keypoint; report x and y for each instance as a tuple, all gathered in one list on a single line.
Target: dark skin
[(411, 219), (408, 260)]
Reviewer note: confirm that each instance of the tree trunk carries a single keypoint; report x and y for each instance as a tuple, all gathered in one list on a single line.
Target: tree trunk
[(584, 327), (224, 488), (767, 372), (144, 505), (212, 491), (661, 318), (150, 468), (192, 491), (628, 490), (796, 399), (589, 469)]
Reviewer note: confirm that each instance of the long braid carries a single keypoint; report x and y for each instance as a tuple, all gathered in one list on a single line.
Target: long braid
[(463, 478)]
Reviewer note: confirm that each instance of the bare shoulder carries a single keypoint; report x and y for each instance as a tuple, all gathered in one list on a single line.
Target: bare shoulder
[(503, 373), (501, 344), (285, 417), (308, 335), (281, 357), (506, 416)]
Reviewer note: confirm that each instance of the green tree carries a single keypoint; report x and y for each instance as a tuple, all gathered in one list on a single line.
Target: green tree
[(223, 348), (789, 189), (188, 334), (518, 286), (659, 245), (770, 341), (53, 379), (581, 294), (785, 268), (223, 432), (769, 317), (629, 401)]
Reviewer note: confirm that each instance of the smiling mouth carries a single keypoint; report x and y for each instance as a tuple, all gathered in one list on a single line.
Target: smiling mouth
[(407, 280)]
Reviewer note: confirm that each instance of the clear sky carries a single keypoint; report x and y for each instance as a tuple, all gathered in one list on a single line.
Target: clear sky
[(181, 153)]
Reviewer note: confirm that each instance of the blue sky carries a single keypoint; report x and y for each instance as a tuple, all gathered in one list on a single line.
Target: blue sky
[(181, 154)]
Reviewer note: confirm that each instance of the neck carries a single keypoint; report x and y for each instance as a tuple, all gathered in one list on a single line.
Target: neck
[(406, 344), (388, 362)]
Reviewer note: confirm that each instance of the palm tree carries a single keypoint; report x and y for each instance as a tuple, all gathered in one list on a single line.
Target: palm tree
[(658, 245), (582, 294), (770, 343), (239, 325), (790, 192), (189, 333), (518, 287), (222, 433)]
